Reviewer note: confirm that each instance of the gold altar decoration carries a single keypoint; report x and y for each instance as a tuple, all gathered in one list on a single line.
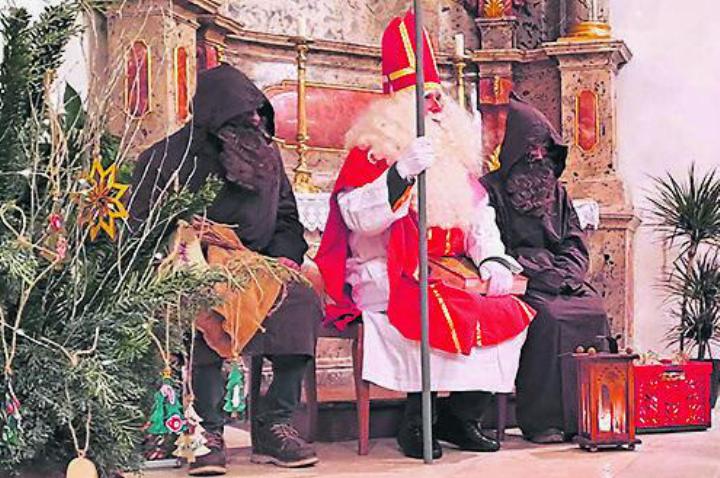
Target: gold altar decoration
[(302, 180), (585, 31), (592, 28), (494, 8), (460, 69)]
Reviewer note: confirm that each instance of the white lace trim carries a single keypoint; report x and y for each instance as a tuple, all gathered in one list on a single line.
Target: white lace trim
[(315, 207)]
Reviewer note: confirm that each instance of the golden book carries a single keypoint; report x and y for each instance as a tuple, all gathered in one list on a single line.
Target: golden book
[(463, 274)]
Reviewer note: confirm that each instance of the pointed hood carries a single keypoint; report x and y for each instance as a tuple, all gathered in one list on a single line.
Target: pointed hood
[(527, 128), (224, 93)]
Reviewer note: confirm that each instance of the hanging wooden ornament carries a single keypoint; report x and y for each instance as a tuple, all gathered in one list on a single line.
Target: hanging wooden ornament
[(196, 440), (166, 415), (81, 467), (190, 444), (10, 418)]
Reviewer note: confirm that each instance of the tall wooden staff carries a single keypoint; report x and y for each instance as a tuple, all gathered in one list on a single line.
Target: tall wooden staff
[(422, 213)]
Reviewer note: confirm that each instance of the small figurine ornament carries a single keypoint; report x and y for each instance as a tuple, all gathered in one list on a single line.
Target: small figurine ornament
[(191, 444), (235, 403), (166, 415), (10, 418)]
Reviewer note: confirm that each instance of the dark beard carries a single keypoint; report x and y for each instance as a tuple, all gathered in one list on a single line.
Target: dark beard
[(531, 185), (248, 156)]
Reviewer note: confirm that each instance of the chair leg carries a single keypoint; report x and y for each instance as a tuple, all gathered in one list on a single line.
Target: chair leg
[(311, 398), (502, 404), (362, 393)]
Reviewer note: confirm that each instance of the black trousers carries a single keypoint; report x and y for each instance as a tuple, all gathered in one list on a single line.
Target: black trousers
[(467, 406), (278, 404)]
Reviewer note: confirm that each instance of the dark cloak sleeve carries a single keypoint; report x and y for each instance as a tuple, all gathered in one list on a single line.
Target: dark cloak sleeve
[(560, 266), (287, 240), (156, 167)]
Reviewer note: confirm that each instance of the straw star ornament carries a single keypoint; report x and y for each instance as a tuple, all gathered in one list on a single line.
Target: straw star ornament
[(102, 204)]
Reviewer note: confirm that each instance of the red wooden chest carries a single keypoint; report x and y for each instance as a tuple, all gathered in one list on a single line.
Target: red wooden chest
[(672, 397)]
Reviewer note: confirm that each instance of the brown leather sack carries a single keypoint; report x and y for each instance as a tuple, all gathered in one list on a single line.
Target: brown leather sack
[(228, 327)]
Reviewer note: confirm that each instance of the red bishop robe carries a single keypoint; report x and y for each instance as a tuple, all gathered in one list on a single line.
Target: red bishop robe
[(459, 319)]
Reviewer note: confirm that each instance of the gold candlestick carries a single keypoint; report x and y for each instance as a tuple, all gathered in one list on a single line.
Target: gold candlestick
[(460, 64), (302, 180)]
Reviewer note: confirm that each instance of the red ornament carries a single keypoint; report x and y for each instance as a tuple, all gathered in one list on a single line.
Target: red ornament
[(12, 406), (175, 423), (56, 222)]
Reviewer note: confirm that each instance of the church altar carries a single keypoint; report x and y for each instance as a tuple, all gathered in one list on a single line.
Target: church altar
[(549, 52)]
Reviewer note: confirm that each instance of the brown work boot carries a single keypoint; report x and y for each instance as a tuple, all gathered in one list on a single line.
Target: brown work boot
[(281, 445), (212, 464)]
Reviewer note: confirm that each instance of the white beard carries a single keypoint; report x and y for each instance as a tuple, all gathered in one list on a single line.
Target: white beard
[(388, 126)]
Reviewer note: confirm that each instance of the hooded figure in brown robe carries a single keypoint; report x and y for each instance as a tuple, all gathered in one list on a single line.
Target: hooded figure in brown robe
[(230, 136), (540, 228)]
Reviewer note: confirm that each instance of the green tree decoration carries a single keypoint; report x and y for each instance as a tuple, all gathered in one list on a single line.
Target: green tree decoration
[(235, 403), (157, 415), (166, 416), (10, 419)]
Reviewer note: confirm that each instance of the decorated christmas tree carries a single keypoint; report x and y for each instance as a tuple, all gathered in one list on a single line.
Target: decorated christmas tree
[(81, 302)]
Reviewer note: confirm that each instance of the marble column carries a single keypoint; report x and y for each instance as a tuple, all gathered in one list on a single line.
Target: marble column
[(588, 71)]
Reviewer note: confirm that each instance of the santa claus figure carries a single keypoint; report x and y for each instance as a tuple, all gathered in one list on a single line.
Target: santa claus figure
[(369, 254)]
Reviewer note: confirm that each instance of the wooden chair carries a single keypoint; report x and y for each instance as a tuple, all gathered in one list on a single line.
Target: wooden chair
[(354, 332)]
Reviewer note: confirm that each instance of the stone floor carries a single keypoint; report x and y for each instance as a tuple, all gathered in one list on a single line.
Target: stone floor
[(676, 455)]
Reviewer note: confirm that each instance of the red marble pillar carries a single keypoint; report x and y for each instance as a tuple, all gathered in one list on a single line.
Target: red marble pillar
[(493, 98), (137, 79), (182, 85)]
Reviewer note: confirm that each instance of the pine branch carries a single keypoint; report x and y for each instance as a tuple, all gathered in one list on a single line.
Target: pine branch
[(49, 36), (15, 77)]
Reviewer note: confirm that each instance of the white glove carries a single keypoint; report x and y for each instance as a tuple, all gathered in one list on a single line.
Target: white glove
[(416, 158), (501, 279)]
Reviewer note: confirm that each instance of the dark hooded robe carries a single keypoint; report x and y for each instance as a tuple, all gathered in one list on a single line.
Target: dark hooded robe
[(540, 228), (256, 198)]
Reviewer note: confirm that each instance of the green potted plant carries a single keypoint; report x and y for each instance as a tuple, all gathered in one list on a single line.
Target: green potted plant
[(687, 215)]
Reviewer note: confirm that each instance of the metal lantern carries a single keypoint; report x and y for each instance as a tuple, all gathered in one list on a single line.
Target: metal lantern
[(606, 400)]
